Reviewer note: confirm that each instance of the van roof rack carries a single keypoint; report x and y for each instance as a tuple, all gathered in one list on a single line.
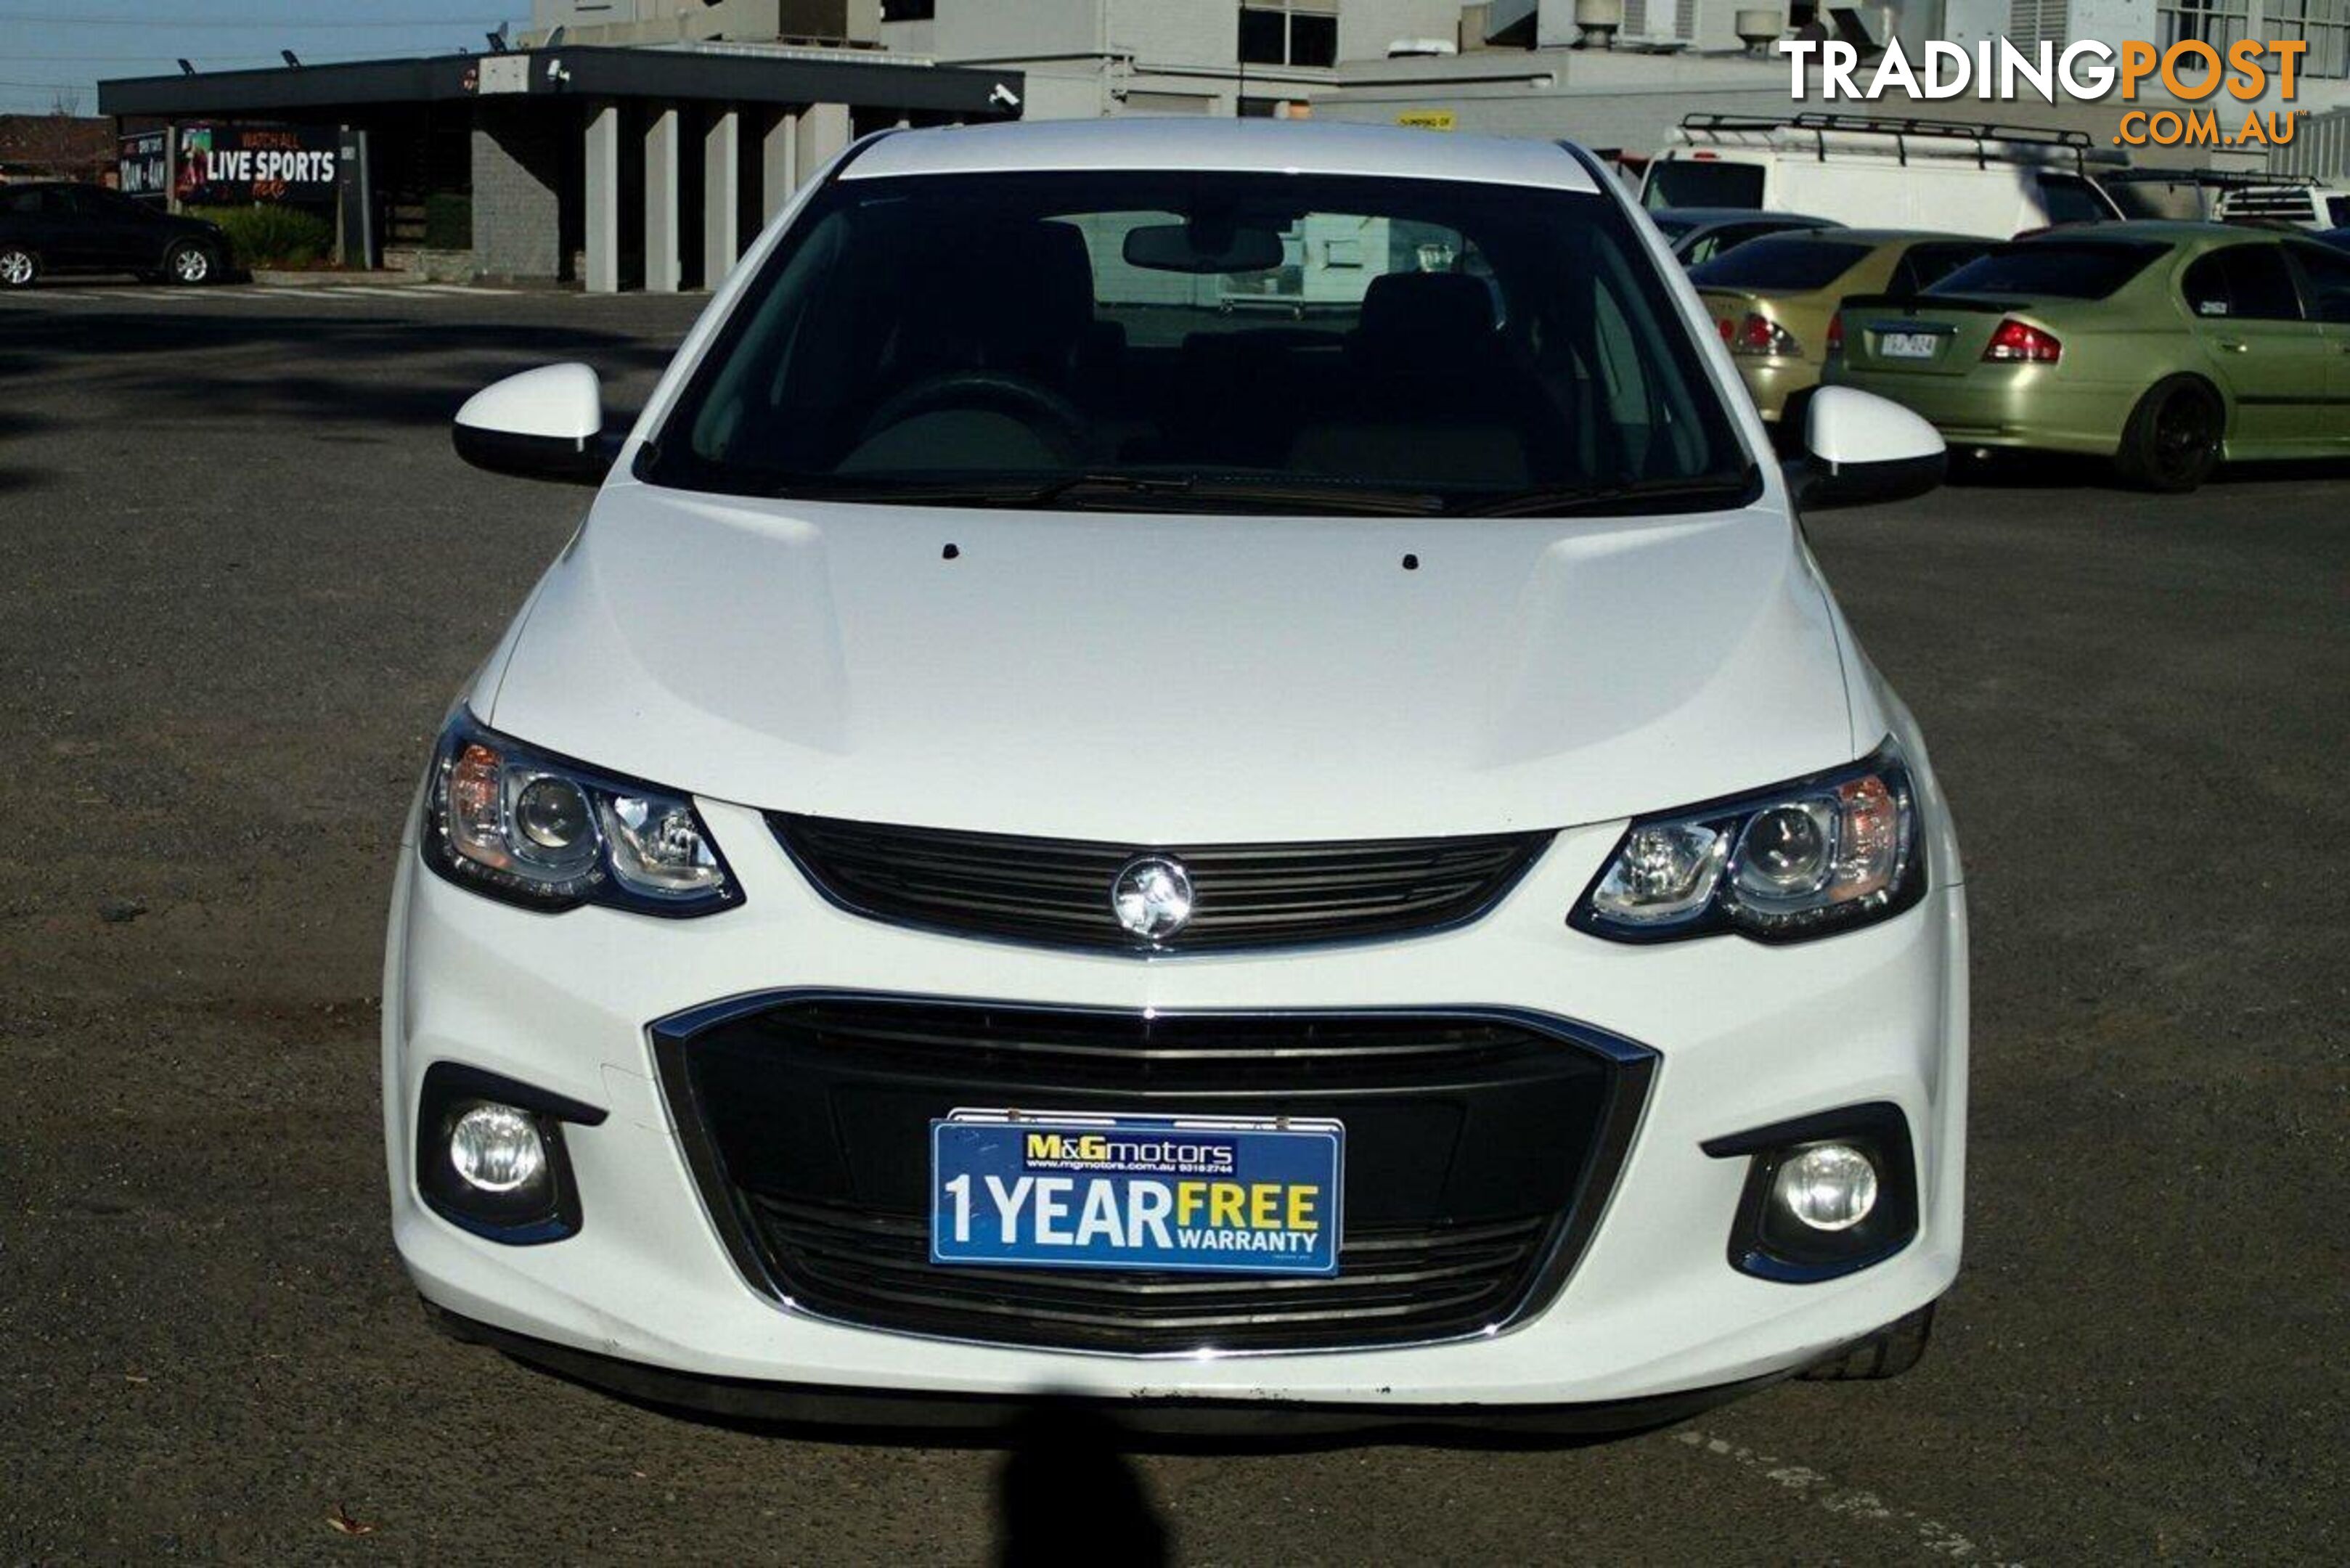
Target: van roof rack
[(2209, 179), (1902, 132)]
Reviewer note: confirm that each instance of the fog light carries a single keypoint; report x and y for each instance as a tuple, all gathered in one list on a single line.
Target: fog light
[(1828, 1187), (497, 1148)]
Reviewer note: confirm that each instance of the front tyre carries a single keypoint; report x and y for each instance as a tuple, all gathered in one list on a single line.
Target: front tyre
[(1888, 1353), (2171, 443), (191, 263), (18, 267)]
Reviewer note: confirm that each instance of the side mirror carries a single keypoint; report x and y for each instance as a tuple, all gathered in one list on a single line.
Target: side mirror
[(1862, 449), (547, 423)]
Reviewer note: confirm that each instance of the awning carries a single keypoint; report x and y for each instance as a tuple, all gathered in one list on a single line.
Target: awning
[(733, 74)]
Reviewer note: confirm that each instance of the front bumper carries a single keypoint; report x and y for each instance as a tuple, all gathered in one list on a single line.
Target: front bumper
[(1746, 1035), (1013, 1415)]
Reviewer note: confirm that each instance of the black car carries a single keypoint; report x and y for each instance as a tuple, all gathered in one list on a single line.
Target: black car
[(85, 228), (1700, 234)]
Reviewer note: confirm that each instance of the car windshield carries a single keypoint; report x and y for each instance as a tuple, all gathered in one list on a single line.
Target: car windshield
[(1208, 341), (1786, 263), (2051, 269)]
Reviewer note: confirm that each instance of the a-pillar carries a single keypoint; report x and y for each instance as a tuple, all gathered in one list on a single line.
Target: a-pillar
[(663, 273), (601, 209), (722, 195)]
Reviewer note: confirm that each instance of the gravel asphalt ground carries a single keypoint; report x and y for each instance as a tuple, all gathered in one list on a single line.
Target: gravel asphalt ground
[(242, 576)]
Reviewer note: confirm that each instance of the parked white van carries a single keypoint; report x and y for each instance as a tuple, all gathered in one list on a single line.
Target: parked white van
[(2303, 203), (1867, 172)]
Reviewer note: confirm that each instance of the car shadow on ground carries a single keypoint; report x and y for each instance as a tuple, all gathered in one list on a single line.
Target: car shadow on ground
[(1067, 1484), (2049, 470)]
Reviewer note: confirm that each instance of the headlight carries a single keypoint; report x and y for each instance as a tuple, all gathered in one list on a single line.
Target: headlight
[(1819, 855), (548, 833)]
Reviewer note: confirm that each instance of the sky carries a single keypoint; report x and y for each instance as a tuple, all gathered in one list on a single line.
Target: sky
[(58, 49)]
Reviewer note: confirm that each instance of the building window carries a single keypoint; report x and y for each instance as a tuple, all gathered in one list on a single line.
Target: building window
[(1289, 33), (2324, 24), (2218, 23), (909, 10)]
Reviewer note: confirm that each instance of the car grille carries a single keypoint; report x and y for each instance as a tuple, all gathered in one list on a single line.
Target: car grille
[(1057, 891), (1480, 1148)]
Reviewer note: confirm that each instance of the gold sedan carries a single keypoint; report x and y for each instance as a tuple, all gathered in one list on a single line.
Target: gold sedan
[(1772, 298)]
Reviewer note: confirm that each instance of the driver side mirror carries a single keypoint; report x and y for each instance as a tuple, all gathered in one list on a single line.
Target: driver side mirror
[(547, 423), (1861, 449)]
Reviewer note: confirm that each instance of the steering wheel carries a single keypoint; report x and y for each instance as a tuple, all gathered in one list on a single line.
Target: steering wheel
[(1049, 415)]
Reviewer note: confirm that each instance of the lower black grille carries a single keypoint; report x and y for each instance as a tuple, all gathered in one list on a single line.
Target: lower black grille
[(1057, 891), (1479, 1150)]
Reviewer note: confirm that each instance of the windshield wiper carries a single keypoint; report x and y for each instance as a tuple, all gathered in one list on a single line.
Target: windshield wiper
[(912, 493), (1098, 487), (1272, 495), (1633, 498)]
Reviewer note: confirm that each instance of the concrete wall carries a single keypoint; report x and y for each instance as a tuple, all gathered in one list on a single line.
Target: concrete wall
[(518, 181), (1176, 32), (735, 21), (1085, 57), (1366, 27), (1005, 29)]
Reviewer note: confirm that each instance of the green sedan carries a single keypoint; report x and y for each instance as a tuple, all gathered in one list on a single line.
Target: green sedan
[(1771, 297), (2165, 346)]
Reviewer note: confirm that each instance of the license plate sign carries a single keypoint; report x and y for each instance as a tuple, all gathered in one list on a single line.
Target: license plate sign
[(1909, 344), (1190, 1194)]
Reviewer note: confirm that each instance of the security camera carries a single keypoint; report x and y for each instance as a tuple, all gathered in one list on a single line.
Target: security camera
[(1003, 96)]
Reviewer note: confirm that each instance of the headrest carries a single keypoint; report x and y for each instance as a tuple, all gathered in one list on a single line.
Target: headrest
[(1018, 296), (1410, 318)]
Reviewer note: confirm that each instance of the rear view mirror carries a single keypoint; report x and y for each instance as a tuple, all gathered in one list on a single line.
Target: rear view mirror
[(547, 423), (1863, 451), (1197, 248)]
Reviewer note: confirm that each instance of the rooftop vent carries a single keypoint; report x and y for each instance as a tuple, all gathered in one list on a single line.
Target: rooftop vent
[(1599, 20), (1758, 28)]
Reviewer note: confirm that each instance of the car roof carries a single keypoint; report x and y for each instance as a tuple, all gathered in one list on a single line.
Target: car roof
[(1871, 237), (1240, 146), (1716, 217), (1738, 216), (2138, 231)]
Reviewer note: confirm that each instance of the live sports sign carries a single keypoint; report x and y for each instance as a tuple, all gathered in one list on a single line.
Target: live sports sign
[(228, 165)]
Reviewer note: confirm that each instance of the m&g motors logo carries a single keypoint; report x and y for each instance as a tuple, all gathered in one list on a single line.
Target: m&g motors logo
[(1103, 1152)]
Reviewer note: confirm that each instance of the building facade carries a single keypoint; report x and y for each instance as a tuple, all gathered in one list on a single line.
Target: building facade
[(1087, 57), (641, 143), (613, 166)]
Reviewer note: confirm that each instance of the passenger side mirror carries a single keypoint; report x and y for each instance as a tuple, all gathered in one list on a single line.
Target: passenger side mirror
[(1861, 449), (547, 423)]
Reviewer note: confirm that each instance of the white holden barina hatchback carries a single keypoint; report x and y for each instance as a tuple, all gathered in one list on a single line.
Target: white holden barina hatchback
[(1198, 763)]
